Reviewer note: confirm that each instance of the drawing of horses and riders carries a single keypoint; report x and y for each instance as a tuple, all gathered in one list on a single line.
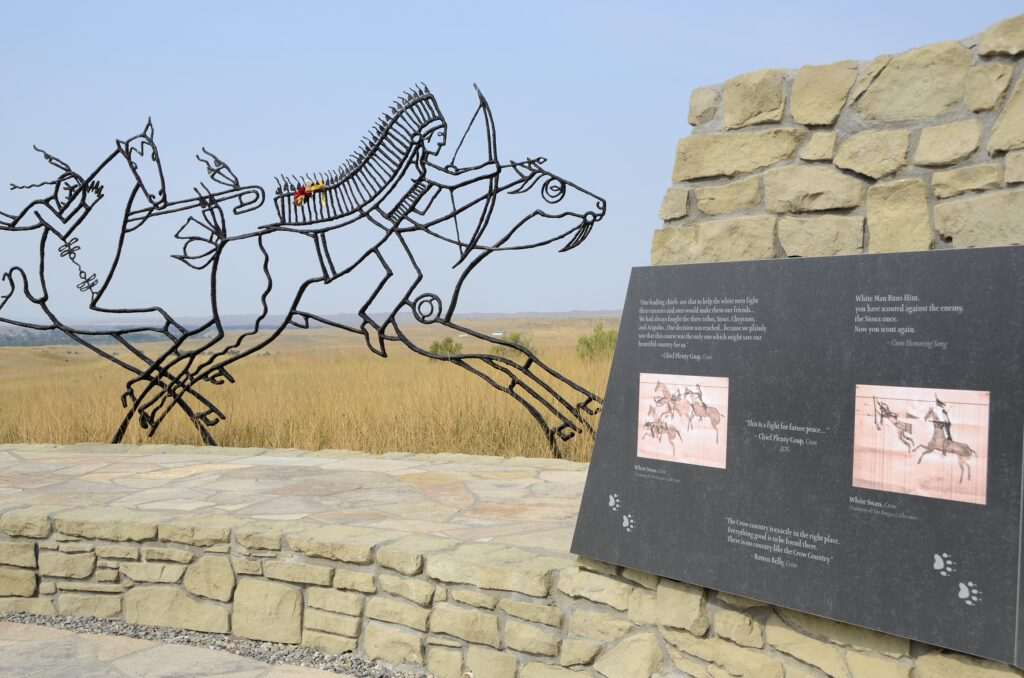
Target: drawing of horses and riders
[(664, 405), (375, 213), (890, 426), (942, 437)]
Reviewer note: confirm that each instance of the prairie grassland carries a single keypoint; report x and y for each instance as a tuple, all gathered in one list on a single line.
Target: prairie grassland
[(311, 389)]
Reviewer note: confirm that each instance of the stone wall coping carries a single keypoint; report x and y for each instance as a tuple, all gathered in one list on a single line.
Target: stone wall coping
[(308, 537), (453, 457)]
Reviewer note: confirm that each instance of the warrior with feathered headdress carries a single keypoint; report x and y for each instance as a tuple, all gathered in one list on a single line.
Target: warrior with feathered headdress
[(371, 196)]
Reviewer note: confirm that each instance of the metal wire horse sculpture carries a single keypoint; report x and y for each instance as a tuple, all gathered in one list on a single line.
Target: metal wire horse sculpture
[(383, 199)]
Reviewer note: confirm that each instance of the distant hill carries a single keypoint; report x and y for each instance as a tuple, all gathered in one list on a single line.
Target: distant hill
[(235, 322), (13, 335), (20, 336)]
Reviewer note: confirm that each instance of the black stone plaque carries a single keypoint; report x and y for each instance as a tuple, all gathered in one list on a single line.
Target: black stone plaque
[(841, 436)]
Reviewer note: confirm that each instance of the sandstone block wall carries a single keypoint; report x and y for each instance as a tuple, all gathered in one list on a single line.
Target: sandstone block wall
[(913, 151), (427, 602)]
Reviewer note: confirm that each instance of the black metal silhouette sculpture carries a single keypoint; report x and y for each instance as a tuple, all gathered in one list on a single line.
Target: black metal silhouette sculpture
[(377, 209)]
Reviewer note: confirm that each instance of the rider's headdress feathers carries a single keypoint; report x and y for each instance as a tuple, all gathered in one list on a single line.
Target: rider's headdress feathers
[(382, 155), (421, 106), (53, 160)]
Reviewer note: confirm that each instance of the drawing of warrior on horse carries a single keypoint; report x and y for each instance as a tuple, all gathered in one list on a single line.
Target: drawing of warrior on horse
[(883, 413), (700, 409), (942, 440), (658, 427), (670, 401)]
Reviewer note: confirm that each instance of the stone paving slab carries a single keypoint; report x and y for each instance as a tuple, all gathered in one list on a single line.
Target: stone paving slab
[(28, 651), (530, 503)]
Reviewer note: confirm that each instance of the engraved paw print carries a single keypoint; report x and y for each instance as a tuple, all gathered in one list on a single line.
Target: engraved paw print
[(944, 564), (969, 593), (628, 522), (613, 502)]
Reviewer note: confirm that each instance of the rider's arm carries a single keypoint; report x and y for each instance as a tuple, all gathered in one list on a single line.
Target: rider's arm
[(51, 218), (61, 223), (40, 213), (441, 176)]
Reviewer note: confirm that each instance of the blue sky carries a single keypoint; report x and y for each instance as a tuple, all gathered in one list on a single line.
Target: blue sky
[(601, 89)]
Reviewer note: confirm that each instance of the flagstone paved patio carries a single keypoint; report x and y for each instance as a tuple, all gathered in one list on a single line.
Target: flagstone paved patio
[(527, 503), (521, 502)]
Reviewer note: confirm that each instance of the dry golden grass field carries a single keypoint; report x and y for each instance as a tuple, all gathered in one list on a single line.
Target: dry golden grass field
[(311, 389)]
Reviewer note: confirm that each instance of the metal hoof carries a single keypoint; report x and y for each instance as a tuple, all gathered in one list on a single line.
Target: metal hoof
[(566, 432), (374, 338), (210, 418), (586, 406), (128, 398), (219, 376)]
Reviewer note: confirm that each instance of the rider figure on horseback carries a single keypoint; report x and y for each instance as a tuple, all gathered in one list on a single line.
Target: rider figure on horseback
[(60, 213), (65, 209), (885, 412), (903, 428), (942, 441), (416, 131), (700, 397), (943, 421)]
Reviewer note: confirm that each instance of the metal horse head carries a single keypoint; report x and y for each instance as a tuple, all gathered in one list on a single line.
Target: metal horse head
[(561, 198), (140, 153)]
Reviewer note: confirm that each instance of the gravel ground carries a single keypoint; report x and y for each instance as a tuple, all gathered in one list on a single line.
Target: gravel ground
[(270, 653)]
